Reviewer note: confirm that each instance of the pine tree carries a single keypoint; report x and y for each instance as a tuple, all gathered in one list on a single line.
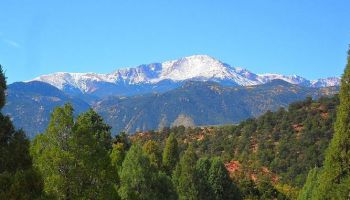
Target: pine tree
[(52, 155), (3, 87), (121, 145), (185, 177), (335, 177), (310, 185), (18, 179), (91, 144), (123, 138), (221, 185), (73, 157), (117, 155), (204, 188), (164, 187), (137, 177), (268, 191), (170, 154), (152, 149)]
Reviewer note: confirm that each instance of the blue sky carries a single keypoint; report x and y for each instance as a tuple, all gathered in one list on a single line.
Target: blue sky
[(308, 38)]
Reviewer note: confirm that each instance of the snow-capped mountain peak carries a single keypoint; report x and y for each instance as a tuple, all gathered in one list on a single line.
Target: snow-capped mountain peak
[(196, 67), (326, 82), (75, 80)]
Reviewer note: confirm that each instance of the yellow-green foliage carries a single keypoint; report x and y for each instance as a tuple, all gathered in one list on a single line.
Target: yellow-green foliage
[(335, 177)]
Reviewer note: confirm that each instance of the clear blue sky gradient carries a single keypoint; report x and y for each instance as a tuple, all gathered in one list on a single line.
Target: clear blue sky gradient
[(308, 38)]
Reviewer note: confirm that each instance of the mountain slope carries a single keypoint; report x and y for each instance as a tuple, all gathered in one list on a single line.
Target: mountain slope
[(201, 103), (160, 77), (193, 103), (30, 105), (279, 146)]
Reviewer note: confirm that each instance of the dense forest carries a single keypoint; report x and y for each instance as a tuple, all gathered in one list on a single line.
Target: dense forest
[(288, 154), (278, 147)]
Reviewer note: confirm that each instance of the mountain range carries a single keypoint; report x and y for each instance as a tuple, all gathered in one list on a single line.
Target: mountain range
[(192, 91), (193, 104), (161, 77), (201, 103)]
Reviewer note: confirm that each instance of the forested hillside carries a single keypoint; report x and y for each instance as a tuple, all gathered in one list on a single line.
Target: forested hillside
[(279, 146)]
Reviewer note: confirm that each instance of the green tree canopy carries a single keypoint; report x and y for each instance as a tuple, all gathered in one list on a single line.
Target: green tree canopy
[(91, 144), (185, 177), (138, 178), (221, 184), (117, 155), (18, 180), (73, 157), (335, 177), (152, 149), (204, 188), (170, 154), (52, 154), (310, 185), (121, 145)]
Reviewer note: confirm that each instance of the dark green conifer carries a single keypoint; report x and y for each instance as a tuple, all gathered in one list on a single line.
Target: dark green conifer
[(310, 185), (202, 167), (185, 177), (170, 154), (3, 87), (73, 157), (139, 179), (18, 179), (335, 178), (221, 185)]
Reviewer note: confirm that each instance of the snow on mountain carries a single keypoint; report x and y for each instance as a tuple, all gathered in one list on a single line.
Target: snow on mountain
[(75, 80), (326, 82), (265, 78), (196, 67), (294, 79)]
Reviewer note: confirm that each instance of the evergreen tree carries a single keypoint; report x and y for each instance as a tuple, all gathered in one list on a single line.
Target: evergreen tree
[(123, 138), (121, 145), (311, 183), (91, 144), (117, 155), (3, 87), (248, 188), (267, 191), (164, 187), (137, 177), (185, 177), (204, 188), (335, 177), (170, 154), (152, 149), (74, 157), (18, 180), (52, 155), (221, 185)]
